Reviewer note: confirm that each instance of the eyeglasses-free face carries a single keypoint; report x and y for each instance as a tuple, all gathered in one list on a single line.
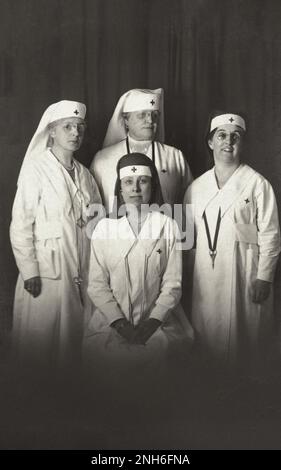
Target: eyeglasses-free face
[(136, 190)]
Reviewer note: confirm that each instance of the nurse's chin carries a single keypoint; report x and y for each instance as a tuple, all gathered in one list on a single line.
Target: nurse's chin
[(74, 144), (228, 156)]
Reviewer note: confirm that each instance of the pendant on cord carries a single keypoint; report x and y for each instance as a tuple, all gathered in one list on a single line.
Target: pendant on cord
[(81, 222), (78, 281), (212, 246), (213, 255)]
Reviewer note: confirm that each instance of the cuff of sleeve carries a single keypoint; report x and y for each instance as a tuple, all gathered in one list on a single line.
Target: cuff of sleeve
[(112, 323), (112, 313), (266, 268), (29, 270), (159, 312)]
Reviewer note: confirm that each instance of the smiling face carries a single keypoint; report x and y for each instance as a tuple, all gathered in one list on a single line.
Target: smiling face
[(68, 133), (226, 144), (142, 125), (136, 190)]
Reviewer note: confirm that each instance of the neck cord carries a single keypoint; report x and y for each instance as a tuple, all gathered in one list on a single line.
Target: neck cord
[(78, 224), (212, 246), (152, 144)]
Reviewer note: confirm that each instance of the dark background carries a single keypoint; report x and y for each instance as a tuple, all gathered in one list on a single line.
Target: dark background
[(204, 53)]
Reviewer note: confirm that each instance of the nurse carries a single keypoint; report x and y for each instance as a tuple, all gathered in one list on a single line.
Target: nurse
[(135, 281), (137, 126), (236, 249), (49, 241)]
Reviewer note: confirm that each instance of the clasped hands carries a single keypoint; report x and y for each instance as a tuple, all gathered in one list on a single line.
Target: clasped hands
[(139, 334)]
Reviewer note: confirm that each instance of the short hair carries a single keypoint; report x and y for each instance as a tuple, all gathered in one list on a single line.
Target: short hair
[(214, 113)]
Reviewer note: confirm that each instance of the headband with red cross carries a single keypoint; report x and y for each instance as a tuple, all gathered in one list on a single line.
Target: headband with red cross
[(138, 170), (224, 119)]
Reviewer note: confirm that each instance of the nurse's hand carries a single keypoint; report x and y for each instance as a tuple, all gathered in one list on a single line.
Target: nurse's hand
[(33, 286), (146, 329), (260, 291), (125, 329)]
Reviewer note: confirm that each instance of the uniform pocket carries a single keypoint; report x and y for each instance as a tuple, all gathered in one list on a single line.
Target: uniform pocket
[(246, 233), (49, 261)]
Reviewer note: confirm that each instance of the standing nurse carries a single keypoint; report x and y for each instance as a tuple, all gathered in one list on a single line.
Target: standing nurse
[(137, 126), (49, 241), (237, 247)]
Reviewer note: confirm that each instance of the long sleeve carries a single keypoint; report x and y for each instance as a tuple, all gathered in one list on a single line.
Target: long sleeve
[(170, 290), (23, 218), (96, 192), (187, 197), (99, 288), (94, 170), (187, 177), (268, 232), (188, 221)]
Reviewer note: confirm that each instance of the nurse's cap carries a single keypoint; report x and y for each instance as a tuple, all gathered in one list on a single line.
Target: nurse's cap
[(60, 110), (224, 119), (134, 164), (138, 100), (65, 109)]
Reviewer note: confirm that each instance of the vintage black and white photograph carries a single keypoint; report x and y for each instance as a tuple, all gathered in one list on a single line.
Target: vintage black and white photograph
[(140, 287)]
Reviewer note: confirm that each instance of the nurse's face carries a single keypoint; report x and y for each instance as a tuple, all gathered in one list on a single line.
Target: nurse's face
[(142, 125), (226, 144), (68, 133), (136, 190)]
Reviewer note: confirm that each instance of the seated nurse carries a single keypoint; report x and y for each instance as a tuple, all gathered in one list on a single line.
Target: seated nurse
[(135, 280)]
